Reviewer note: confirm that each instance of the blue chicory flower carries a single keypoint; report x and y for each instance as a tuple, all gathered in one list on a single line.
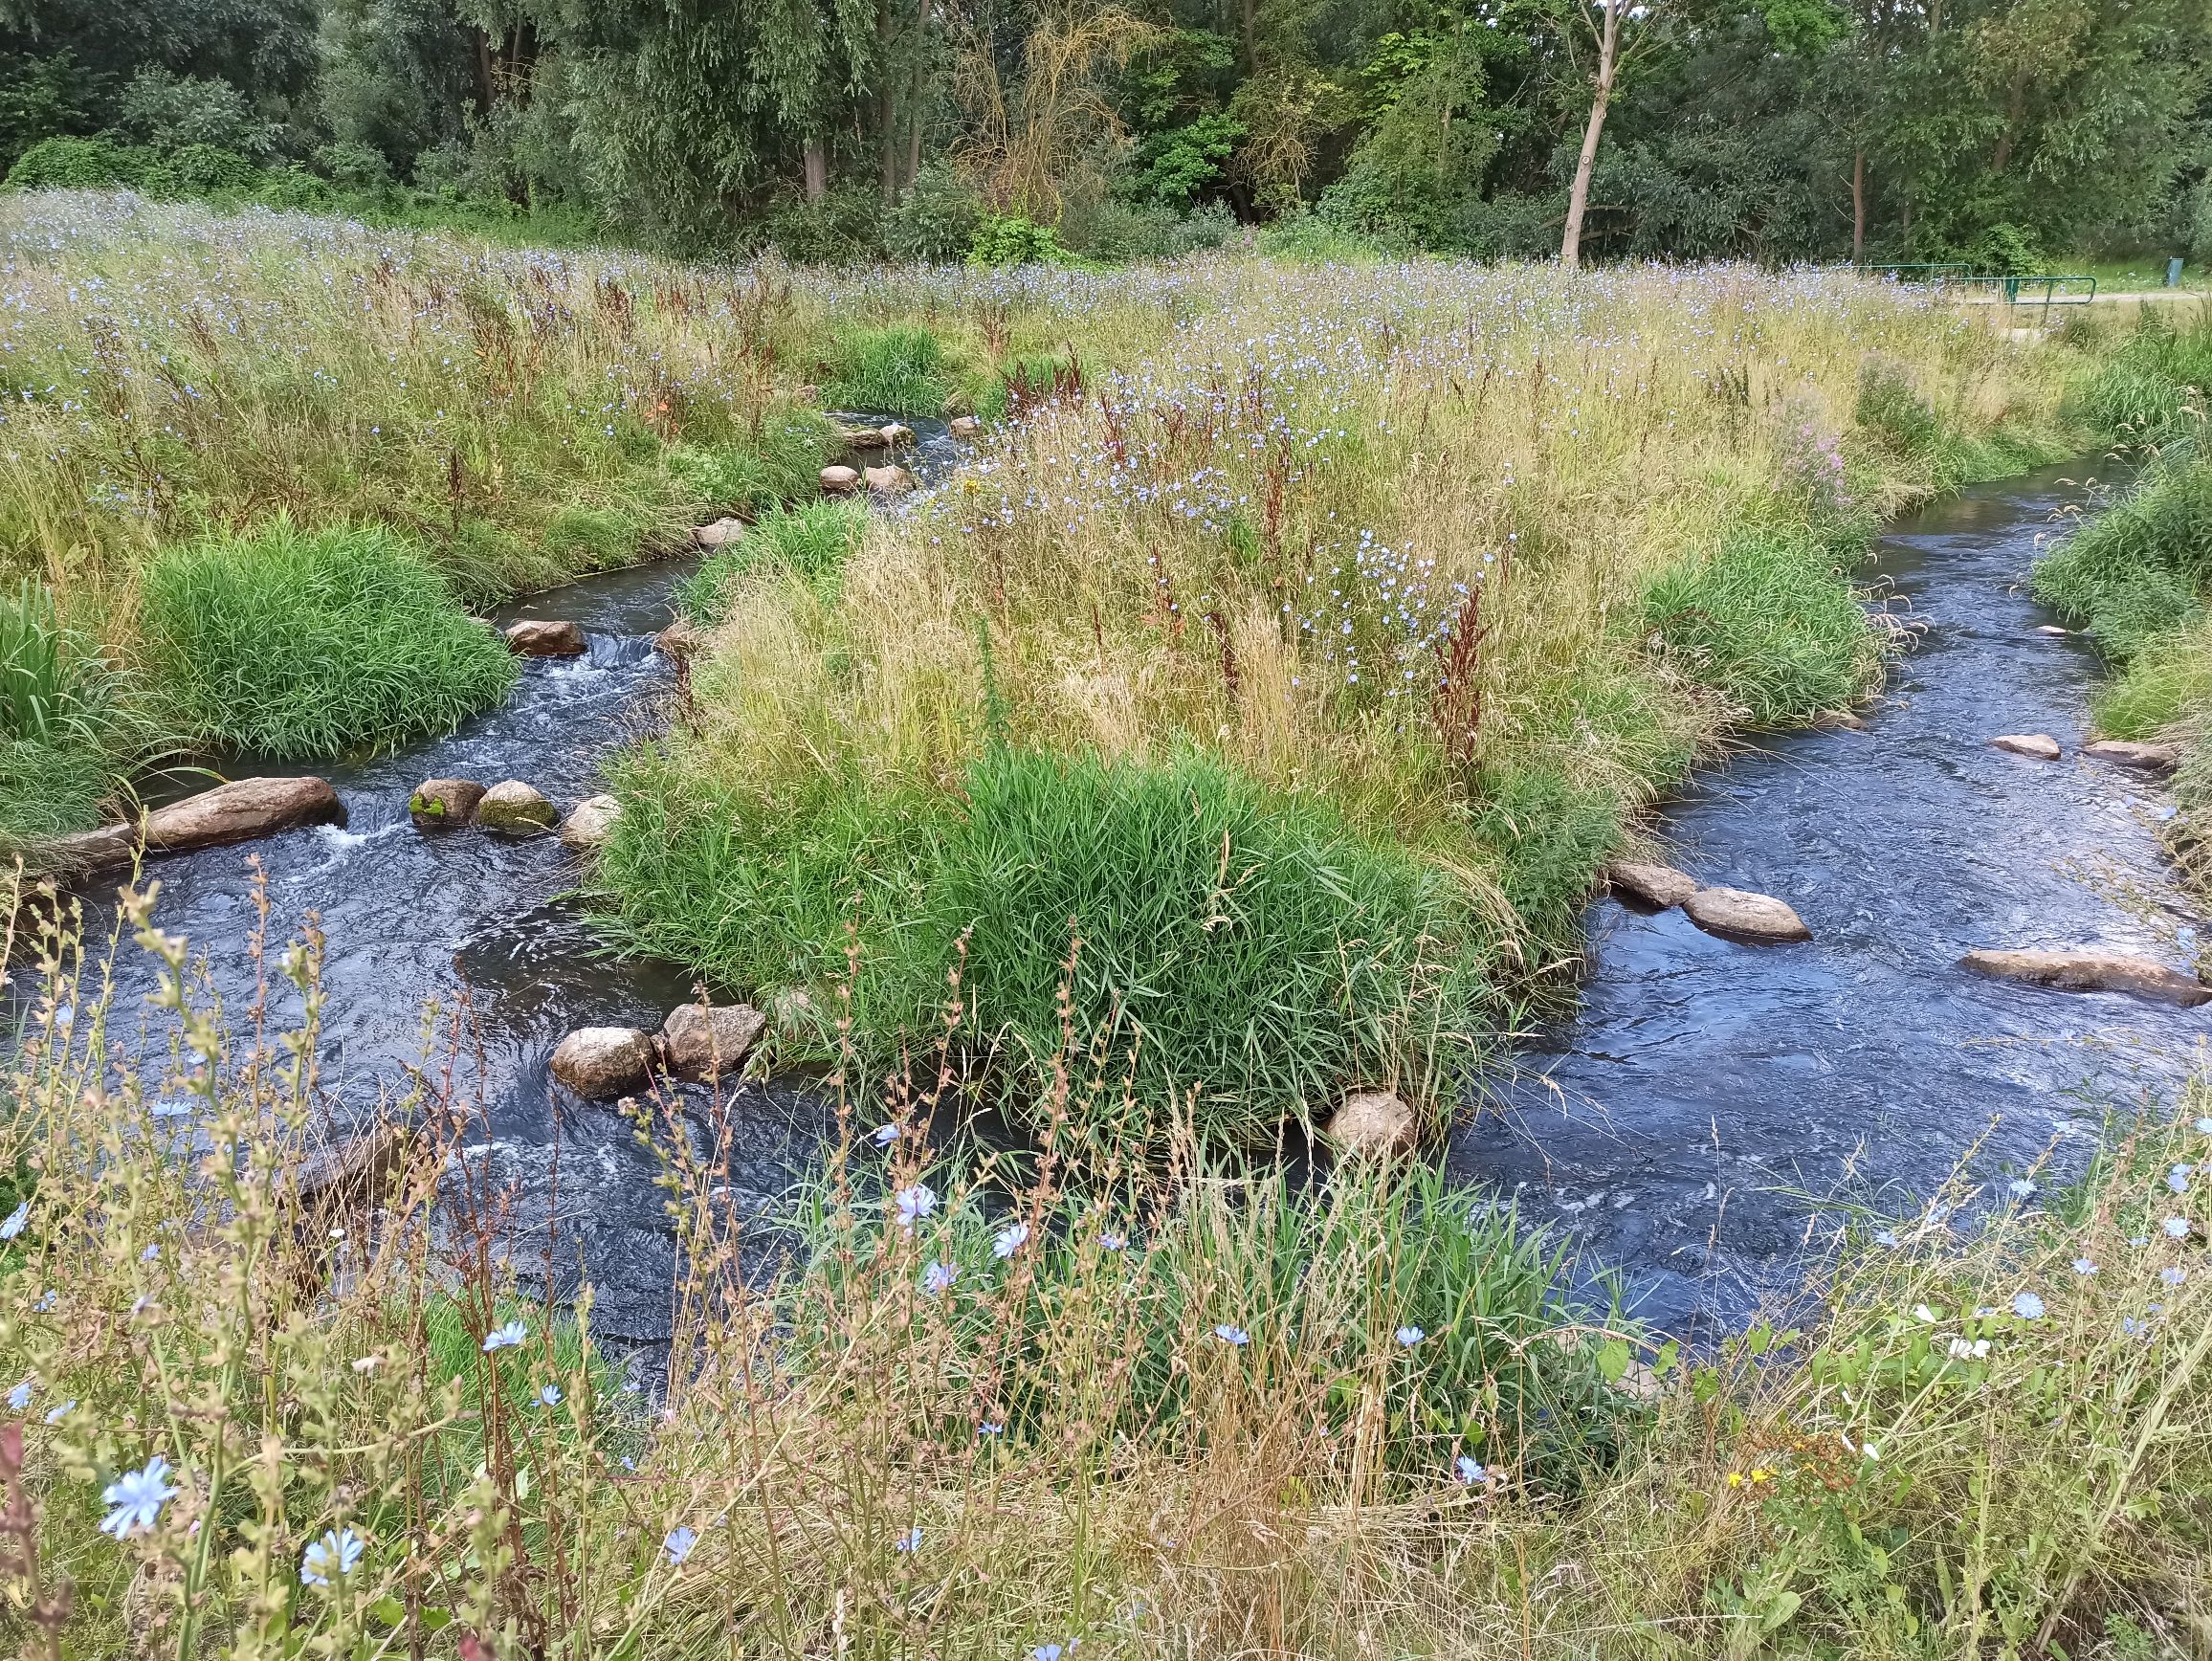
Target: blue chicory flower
[(138, 1497)]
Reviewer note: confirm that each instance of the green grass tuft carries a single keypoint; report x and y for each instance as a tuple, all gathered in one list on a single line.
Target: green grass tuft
[(2132, 576), (810, 542), (894, 371), (301, 644), (2152, 393), (779, 463)]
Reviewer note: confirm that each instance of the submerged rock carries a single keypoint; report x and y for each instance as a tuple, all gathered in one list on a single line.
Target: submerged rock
[(2145, 758), (719, 534), (546, 637), (239, 812), (839, 481), (1658, 886), (444, 804), (590, 823), (2035, 747), (2053, 630), (514, 809), (889, 480), (1372, 1124), (966, 426), (703, 1043), (599, 1062), (356, 1169), (1753, 920), (2090, 970)]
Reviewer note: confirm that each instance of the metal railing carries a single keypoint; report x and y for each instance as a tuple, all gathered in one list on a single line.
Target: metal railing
[(1994, 288)]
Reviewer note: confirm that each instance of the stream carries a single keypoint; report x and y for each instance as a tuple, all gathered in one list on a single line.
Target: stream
[(1685, 1125), (1708, 1108)]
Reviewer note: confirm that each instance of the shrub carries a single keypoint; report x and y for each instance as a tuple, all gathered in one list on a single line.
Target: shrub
[(1767, 620), (810, 542), (1015, 240), (199, 170), (1120, 233), (1246, 947), (936, 221), (300, 644), (893, 372), (80, 164)]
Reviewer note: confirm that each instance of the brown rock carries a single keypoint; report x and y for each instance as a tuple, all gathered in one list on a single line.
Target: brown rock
[(590, 823), (2090, 970), (444, 804), (544, 637), (355, 1169), (2053, 630), (719, 534), (866, 437), (894, 433), (704, 1043), (2035, 747), (1752, 920), (239, 812), (839, 481), (600, 1062), (514, 809), (1372, 1124), (889, 480), (1658, 886), (679, 639), (2146, 758), (966, 426)]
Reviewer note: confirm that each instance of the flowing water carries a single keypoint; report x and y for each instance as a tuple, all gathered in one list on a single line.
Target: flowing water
[(1682, 1122), (1672, 1124)]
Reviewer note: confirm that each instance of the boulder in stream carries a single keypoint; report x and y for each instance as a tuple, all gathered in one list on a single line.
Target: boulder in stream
[(1372, 1124), (839, 481), (719, 534), (889, 480), (702, 1042), (2144, 758), (679, 639), (966, 426), (2087, 969), (2035, 747), (239, 812), (600, 1062), (865, 437), (590, 823), (514, 809), (2053, 630), (444, 804), (546, 637), (894, 433), (1657, 886), (1752, 920)]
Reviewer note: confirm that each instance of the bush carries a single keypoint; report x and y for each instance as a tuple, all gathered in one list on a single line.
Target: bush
[(1245, 946), (1119, 232), (810, 542), (937, 220), (892, 371), (845, 228), (1768, 621), (1015, 240), (304, 644), (80, 164), (199, 170), (172, 112)]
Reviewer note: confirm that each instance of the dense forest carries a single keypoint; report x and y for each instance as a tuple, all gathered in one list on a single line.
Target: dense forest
[(2004, 131)]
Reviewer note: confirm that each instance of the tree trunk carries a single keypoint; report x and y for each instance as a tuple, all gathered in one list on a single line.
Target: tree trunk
[(816, 162), (1858, 206), (483, 65), (1579, 198), (1252, 35), (887, 105)]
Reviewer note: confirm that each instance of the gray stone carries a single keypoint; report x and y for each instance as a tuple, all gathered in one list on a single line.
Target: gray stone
[(866, 437), (894, 435), (514, 809), (2053, 630), (444, 804), (889, 480), (2035, 747), (2090, 970), (590, 823), (719, 534), (2144, 758), (703, 1043), (679, 639), (1659, 886), (839, 481), (546, 637), (965, 426), (600, 1062), (239, 812), (1752, 920), (1372, 1124)]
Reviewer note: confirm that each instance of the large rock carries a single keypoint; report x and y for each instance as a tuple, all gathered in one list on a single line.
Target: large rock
[(1658, 886), (546, 637), (866, 437), (356, 1169), (839, 481), (2144, 758), (239, 812), (1374, 1124), (590, 823), (1753, 920), (889, 480), (514, 809), (894, 433), (2035, 747), (719, 534), (704, 1043), (2089, 970), (966, 426), (599, 1062), (444, 804)]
